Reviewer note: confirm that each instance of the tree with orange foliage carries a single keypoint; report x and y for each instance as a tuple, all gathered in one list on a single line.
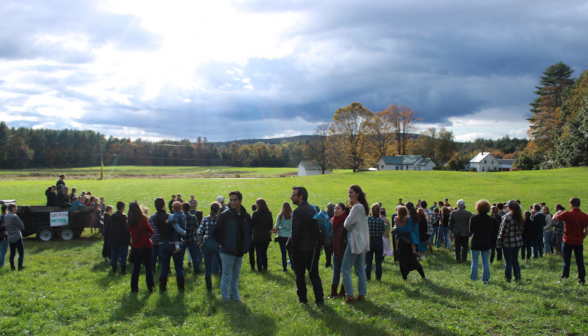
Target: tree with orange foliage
[(350, 128)]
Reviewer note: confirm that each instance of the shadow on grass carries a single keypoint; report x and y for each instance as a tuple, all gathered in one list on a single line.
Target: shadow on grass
[(283, 279), (401, 321), (34, 246), (244, 321), (130, 304)]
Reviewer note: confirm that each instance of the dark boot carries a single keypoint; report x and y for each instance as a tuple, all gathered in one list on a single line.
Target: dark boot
[(123, 270), (341, 292), (208, 283), (162, 283), (114, 269), (180, 281), (333, 292)]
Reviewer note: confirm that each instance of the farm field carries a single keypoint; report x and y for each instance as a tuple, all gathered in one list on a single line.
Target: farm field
[(67, 288), (146, 172)]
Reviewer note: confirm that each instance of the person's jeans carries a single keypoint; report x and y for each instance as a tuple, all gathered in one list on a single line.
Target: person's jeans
[(282, 241), (547, 243), (443, 232), (155, 257), (461, 248), (567, 257), (166, 252), (119, 254), (355, 260), (18, 245), (261, 251), (195, 254), (527, 244), (337, 261), (142, 256), (511, 259), (308, 261), (485, 265), (210, 249), (231, 271), (494, 250), (377, 248), (538, 247), (3, 249), (217, 264), (434, 235)]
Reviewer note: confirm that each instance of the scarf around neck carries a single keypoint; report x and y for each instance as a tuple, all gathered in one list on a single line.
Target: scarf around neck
[(338, 221)]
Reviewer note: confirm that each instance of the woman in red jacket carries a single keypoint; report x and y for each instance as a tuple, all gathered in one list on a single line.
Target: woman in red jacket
[(141, 245)]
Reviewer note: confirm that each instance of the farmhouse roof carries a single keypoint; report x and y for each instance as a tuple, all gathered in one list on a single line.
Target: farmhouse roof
[(424, 162), (480, 156), (400, 159), (308, 166), (506, 161)]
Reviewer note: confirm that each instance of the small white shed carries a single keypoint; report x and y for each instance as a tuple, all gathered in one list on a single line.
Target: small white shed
[(306, 169)]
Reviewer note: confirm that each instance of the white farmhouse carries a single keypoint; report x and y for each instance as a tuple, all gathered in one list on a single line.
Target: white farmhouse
[(405, 162), (484, 162), (306, 169)]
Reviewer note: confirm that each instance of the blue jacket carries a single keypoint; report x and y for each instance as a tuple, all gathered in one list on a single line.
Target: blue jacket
[(409, 232), (233, 232)]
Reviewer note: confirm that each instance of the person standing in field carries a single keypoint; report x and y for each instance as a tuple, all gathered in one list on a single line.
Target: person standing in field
[(547, 230), (494, 234), (329, 248), (558, 230), (61, 181), (262, 223), (481, 229), (305, 248), (210, 247), (377, 227), (141, 245), (190, 241), (14, 236), (105, 247), (166, 246), (119, 239), (510, 239), (193, 204), (169, 205), (233, 232), (283, 229), (529, 236), (3, 236), (339, 241), (407, 231), (539, 220), (432, 225), (459, 224), (359, 243), (443, 232), (576, 229)]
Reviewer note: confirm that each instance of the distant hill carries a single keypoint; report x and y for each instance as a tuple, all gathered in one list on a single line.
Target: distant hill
[(272, 141)]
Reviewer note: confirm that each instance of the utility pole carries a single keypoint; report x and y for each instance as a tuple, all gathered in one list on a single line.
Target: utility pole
[(101, 162)]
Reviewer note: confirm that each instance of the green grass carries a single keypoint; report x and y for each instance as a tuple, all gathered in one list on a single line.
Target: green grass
[(67, 289)]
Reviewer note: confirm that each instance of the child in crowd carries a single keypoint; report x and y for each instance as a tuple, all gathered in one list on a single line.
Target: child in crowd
[(102, 205), (75, 204), (178, 221)]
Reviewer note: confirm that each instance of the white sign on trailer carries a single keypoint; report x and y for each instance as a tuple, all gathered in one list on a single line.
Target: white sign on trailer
[(59, 218)]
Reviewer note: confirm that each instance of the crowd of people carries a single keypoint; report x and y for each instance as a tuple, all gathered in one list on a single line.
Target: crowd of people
[(353, 235)]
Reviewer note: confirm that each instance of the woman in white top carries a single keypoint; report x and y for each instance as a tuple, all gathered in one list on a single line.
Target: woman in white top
[(359, 243), (547, 231)]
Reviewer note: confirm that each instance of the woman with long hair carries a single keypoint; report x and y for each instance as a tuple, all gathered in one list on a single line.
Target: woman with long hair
[(494, 234), (262, 222), (339, 241), (481, 229), (510, 239), (141, 245), (210, 247), (358, 237), (406, 226), (558, 231), (284, 229)]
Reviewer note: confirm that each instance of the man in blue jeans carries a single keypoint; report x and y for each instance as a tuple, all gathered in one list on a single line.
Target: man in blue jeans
[(190, 241), (377, 228), (119, 239), (233, 232)]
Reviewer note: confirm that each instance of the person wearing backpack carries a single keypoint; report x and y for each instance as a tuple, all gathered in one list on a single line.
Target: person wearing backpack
[(329, 246), (376, 227), (359, 243), (324, 232), (305, 246)]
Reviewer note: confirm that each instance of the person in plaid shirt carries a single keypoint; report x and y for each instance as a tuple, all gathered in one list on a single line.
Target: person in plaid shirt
[(432, 225), (377, 227), (155, 240), (190, 241), (209, 245), (510, 239)]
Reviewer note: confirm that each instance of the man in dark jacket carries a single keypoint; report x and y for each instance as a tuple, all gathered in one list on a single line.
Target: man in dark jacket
[(459, 224), (233, 232), (539, 220), (119, 239), (166, 247), (305, 247)]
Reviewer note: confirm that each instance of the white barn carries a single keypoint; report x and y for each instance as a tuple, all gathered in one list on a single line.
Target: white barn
[(405, 162), (485, 162), (306, 169)]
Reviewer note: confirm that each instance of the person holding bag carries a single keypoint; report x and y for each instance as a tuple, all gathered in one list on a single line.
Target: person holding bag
[(141, 245)]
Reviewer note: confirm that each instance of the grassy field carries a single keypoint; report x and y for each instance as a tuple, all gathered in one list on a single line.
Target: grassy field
[(117, 172), (67, 289)]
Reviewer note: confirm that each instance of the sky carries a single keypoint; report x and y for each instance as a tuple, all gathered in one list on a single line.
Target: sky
[(229, 70)]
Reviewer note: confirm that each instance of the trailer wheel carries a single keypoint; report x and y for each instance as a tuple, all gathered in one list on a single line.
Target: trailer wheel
[(66, 234), (45, 233)]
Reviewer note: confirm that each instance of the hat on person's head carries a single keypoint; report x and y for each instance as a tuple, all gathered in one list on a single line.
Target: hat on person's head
[(220, 199), (460, 204)]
